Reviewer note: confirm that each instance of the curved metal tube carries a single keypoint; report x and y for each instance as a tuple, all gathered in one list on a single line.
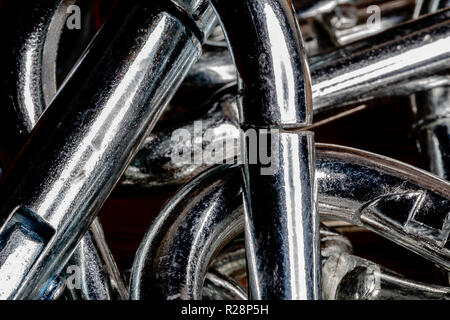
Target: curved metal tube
[(77, 151), (35, 86), (221, 287), (397, 201), (360, 279), (280, 201), (267, 48), (26, 74), (221, 120)]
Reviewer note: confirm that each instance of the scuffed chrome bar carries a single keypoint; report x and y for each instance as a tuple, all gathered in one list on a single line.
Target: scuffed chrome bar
[(280, 203), (87, 137), (34, 86), (371, 191)]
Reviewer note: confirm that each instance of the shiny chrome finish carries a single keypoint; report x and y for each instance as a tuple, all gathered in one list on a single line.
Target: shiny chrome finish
[(382, 195), (404, 54), (87, 137), (337, 22), (427, 6), (326, 24), (231, 261), (329, 71), (154, 164), (432, 113), (32, 97), (280, 202), (221, 287), (281, 228), (165, 272), (222, 117), (408, 58), (347, 277), (26, 74)]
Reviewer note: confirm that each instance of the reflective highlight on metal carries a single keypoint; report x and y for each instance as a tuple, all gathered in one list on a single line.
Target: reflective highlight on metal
[(252, 221), (281, 224), (221, 287), (73, 160), (345, 276), (282, 230), (359, 187), (26, 74), (94, 254), (432, 113), (400, 64)]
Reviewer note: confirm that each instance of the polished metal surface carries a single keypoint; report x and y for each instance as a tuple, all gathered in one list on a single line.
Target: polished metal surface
[(328, 71), (377, 193), (105, 121), (93, 251), (282, 234), (407, 58), (268, 51), (281, 226), (432, 110), (247, 227), (345, 276), (27, 65), (221, 287)]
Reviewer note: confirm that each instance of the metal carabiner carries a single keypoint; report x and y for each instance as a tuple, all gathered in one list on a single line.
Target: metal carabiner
[(367, 190), (77, 151), (34, 87)]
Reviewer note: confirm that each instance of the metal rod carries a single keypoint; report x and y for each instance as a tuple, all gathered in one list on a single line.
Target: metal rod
[(35, 86), (281, 224), (88, 135)]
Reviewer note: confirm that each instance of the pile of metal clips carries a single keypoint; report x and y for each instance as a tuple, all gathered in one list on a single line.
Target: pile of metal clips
[(237, 84)]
